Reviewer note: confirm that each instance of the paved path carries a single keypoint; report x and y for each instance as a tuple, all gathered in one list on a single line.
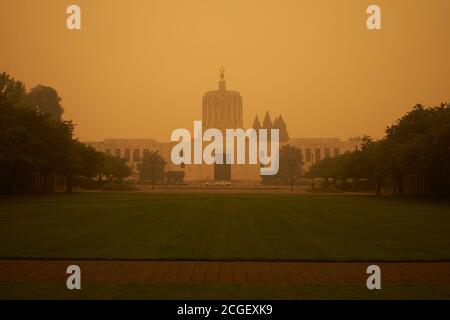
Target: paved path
[(223, 272)]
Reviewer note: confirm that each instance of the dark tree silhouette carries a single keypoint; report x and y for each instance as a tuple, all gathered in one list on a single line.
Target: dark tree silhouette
[(290, 169), (417, 144), (35, 142), (46, 100), (152, 168)]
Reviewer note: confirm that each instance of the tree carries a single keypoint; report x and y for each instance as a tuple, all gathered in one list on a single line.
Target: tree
[(29, 141), (115, 168), (357, 166), (16, 156), (290, 168), (46, 100), (417, 144), (85, 162), (91, 161), (32, 141), (152, 167), (11, 91)]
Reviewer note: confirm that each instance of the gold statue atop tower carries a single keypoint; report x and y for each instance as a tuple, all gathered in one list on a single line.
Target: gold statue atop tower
[(222, 73)]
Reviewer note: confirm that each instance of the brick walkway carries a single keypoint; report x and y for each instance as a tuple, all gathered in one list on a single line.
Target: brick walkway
[(223, 272)]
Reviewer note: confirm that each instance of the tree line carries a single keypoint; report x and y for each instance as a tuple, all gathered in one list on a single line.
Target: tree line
[(417, 144), (35, 139)]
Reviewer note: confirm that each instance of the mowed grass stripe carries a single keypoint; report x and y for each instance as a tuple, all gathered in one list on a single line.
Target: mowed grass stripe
[(224, 227)]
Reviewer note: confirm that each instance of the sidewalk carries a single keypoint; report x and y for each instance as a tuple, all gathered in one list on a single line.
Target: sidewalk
[(223, 272)]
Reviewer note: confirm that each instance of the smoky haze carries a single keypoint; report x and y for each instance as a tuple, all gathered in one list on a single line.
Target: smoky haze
[(139, 69)]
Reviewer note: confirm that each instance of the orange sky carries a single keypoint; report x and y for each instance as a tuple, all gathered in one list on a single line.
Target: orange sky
[(139, 68)]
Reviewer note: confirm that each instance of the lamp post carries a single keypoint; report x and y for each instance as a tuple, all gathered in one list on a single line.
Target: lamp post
[(292, 162)]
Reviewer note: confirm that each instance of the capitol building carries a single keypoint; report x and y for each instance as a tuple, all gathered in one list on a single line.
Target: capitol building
[(222, 109)]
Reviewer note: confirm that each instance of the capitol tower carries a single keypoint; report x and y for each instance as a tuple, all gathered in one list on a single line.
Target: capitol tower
[(222, 108)]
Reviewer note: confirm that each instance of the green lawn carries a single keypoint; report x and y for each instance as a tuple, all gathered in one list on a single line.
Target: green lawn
[(224, 226)]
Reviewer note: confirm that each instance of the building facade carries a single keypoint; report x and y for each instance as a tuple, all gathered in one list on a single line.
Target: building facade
[(316, 149), (222, 109)]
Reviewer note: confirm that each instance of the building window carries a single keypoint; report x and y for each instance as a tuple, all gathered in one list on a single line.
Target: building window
[(337, 152), (317, 155), (308, 154), (117, 153), (127, 154), (146, 152), (108, 152), (137, 155), (327, 153)]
